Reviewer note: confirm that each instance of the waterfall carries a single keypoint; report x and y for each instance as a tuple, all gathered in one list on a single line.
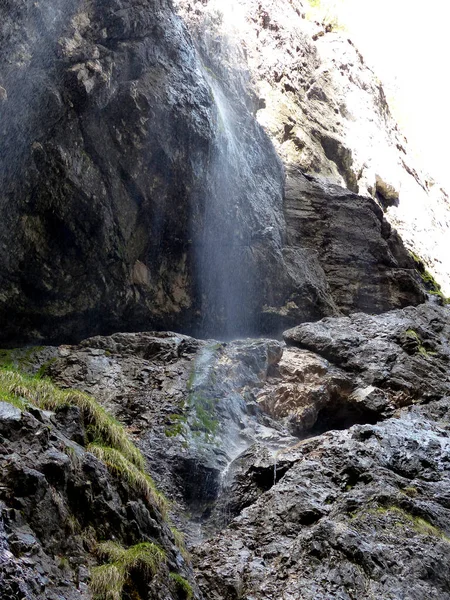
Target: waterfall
[(225, 276), (243, 188)]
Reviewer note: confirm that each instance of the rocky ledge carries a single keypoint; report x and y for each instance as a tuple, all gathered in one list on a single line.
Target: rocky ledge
[(316, 470)]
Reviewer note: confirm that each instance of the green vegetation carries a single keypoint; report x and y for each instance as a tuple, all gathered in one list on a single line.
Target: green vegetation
[(182, 586), (403, 518), (410, 491), (418, 340), (43, 394), (205, 421), (19, 358), (63, 563), (120, 466), (11, 399), (432, 286), (420, 525), (178, 537), (202, 402), (327, 12), (108, 580), (108, 439), (176, 427)]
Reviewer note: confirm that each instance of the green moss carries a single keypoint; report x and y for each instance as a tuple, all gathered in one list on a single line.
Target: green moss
[(404, 518), (19, 358), (178, 537), (7, 358), (410, 491), (326, 11), (203, 406), (63, 563), (182, 586), (43, 369), (431, 285), (176, 427), (205, 420), (191, 380), (108, 580), (420, 347)]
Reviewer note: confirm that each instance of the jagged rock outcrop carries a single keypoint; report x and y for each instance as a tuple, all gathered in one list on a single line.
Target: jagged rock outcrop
[(360, 513), (317, 470), (403, 352), (138, 190), (58, 501), (326, 112)]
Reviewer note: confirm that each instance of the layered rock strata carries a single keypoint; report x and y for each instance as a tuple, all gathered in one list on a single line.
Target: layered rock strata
[(316, 470), (138, 190)]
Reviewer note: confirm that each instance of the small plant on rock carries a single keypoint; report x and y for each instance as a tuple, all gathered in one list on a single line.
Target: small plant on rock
[(120, 466), (182, 586), (43, 394), (141, 560)]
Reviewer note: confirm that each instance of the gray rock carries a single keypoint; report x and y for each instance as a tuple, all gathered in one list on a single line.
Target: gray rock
[(356, 504), (9, 413), (327, 113), (358, 514), (404, 352), (138, 190), (57, 501)]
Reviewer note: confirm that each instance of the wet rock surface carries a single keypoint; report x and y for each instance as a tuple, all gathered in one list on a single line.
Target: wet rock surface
[(139, 191), (405, 353), (360, 514), (192, 404), (324, 108), (295, 472), (57, 501)]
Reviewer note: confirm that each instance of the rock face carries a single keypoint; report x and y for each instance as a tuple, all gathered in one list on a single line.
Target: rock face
[(318, 470), (357, 515), (138, 190), (57, 501), (326, 112), (404, 352)]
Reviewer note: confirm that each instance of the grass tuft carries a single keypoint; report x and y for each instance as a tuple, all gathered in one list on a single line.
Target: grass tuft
[(109, 440), (182, 586), (120, 466), (11, 399), (179, 540), (107, 581), (145, 557), (43, 394)]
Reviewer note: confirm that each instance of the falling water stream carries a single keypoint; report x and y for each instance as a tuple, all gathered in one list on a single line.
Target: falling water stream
[(226, 281), (225, 423), (242, 207)]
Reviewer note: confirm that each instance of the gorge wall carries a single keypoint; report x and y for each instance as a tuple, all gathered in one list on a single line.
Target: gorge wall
[(138, 191), (218, 170)]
